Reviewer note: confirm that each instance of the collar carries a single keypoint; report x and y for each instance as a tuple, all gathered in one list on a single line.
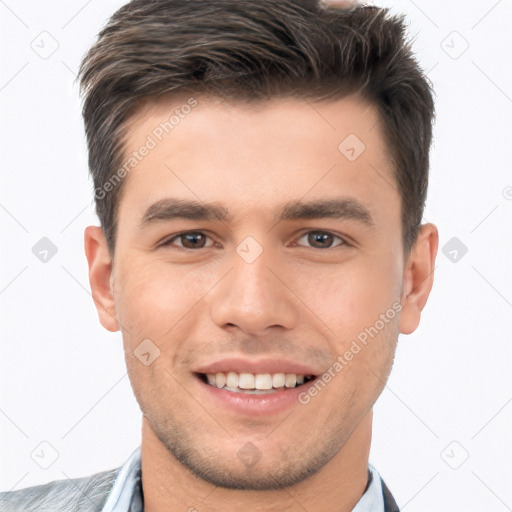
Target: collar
[(126, 493), (372, 500)]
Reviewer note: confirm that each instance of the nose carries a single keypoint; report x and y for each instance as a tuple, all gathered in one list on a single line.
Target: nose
[(254, 298)]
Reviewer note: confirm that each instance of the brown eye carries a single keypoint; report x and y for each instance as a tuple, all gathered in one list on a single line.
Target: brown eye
[(191, 240), (321, 239)]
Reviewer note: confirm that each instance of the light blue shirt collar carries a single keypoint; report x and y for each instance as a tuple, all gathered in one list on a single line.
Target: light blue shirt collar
[(372, 500), (126, 495)]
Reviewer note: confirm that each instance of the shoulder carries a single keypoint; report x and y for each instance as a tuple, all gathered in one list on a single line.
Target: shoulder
[(87, 494)]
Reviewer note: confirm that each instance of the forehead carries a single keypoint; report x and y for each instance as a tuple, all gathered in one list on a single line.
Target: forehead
[(256, 155)]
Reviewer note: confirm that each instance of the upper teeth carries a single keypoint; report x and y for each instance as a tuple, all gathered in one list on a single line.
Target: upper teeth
[(254, 381)]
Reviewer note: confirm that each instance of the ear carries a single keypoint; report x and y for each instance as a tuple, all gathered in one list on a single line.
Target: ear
[(418, 277), (100, 273)]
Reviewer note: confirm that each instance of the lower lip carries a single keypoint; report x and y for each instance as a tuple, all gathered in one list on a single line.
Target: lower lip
[(255, 405)]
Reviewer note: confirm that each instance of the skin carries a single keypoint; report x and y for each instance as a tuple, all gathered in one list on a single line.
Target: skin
[(298, 300)]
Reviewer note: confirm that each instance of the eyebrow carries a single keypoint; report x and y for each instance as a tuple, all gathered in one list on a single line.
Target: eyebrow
[(168, 209), (341, 208)]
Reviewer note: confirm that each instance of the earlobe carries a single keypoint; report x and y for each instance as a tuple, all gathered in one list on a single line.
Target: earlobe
[(418, 278), (100, 273)]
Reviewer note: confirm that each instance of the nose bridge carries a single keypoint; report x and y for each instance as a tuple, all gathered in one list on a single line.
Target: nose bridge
[(251, 281), (251, 297)]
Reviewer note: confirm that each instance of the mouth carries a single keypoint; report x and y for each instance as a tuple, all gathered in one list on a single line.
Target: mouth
[(255, 383)]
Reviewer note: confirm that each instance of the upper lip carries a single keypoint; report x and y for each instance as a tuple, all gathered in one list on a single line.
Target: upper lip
[(260, 366)]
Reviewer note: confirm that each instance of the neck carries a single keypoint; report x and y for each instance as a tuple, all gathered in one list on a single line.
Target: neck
[(167, 485)]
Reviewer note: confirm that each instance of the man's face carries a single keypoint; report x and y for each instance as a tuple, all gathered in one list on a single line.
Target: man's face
[(302, 254)]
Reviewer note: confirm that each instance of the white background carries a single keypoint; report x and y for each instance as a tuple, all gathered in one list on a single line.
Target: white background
[(63, 378)]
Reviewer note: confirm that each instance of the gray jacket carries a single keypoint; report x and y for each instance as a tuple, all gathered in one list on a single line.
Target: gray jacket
[(89, 494), (86, 494)]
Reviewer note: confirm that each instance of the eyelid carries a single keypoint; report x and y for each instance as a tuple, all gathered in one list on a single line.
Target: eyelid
[(325, 231), (168, 240)]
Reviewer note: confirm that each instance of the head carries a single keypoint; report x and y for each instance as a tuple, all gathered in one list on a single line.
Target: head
[(260, 173)]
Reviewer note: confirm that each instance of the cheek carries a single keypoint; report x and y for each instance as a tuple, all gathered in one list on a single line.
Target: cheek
[(152, 298), (352, 296)]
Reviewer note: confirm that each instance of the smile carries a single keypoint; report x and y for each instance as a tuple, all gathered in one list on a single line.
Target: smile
[(259, 383)]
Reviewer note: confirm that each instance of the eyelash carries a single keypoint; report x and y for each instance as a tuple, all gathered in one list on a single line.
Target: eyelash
[(168, 242)]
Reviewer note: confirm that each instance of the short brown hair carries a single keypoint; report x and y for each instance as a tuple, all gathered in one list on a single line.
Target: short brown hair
[(253, 51)]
